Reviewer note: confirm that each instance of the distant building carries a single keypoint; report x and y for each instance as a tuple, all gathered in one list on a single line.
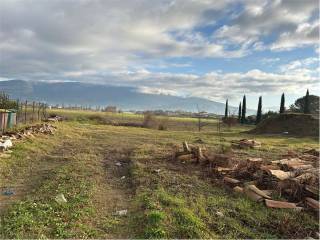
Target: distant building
[(112, 109)]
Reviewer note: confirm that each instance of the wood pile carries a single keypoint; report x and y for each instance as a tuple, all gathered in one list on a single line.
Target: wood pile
[(294, 178), (189, 154)]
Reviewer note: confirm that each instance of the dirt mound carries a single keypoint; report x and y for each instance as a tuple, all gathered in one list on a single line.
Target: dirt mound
[(293, 124)]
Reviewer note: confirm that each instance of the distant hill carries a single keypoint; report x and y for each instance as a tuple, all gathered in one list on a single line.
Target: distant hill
[(126, 98)]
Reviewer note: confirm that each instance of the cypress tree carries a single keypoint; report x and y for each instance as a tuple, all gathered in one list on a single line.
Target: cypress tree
[(226, 110), (259, 111), (306, 108), (282, 107), (244, 108), (239, 113)]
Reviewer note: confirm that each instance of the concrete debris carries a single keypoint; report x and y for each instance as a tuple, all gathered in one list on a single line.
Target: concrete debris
[(7, 140), (122, 212), (5, 145), (60, 198), (54, 119)]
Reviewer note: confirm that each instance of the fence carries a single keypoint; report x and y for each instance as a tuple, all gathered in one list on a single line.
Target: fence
[(13, 112), (29, 112)]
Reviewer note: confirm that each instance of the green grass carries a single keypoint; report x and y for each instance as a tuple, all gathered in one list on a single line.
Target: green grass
[(181, 201)]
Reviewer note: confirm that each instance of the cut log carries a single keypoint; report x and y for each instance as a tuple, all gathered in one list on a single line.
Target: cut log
[(268, 192), (258, 191), (231, 180), (221, 160), (286, 161), (281, 175), (199, 155), (279, 204), (224, 169), (253, 164), (185, 157), (311, 191), (314, 204), (186, 147), (238, 189), (306, 178), (299, 166), (250, 183), (313, 152), (291, 188), (269, 167), (254, 160), (252, 195)]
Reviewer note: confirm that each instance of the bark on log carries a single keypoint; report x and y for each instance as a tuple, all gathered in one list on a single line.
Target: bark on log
[(252, 195), (279, 204), (312, 203), (231, 180), (258, 191), (186, 147), (185, 157)]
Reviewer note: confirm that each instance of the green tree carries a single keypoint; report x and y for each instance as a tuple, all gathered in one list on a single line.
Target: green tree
[(299, 104), (259, 111), (239, 113), (306, 109), (244, 109), (226, 110), (282, 104)]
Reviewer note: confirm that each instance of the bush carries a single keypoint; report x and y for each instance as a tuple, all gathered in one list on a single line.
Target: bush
[(148, 120)]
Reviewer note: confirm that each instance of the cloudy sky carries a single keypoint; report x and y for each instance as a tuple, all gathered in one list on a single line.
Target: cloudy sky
[(215, 49)]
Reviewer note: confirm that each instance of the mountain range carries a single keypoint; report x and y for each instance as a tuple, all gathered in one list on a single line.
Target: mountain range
[(125, 98)]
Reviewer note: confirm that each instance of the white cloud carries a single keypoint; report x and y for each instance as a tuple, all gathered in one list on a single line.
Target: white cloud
[(306, 34), (115, 42), (297, 65), (287, 20)]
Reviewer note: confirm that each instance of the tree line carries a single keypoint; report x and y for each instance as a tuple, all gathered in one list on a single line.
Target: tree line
[(308, 104)]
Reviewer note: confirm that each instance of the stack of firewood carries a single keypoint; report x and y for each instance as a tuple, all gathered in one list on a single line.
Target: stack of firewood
[(295, 178)]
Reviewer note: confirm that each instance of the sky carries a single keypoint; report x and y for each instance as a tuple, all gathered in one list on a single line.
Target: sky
[(215, 49)]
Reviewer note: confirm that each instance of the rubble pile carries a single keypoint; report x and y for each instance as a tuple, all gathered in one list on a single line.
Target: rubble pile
[(6, 140), (246, 143), (54, 119), (294, 178)]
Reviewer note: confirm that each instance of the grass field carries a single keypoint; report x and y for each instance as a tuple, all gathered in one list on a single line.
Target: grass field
[(163, 198)]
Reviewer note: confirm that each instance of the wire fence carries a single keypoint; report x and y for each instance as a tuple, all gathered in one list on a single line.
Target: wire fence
[(14, 112), (30, 112)]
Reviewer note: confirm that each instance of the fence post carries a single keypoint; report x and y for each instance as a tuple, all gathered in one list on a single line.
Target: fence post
[(17, 108), (33, 105), (39, 108), (25, 112)]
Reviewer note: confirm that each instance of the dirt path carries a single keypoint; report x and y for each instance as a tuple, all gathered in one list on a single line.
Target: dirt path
[(110, 166), (114, 194)]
